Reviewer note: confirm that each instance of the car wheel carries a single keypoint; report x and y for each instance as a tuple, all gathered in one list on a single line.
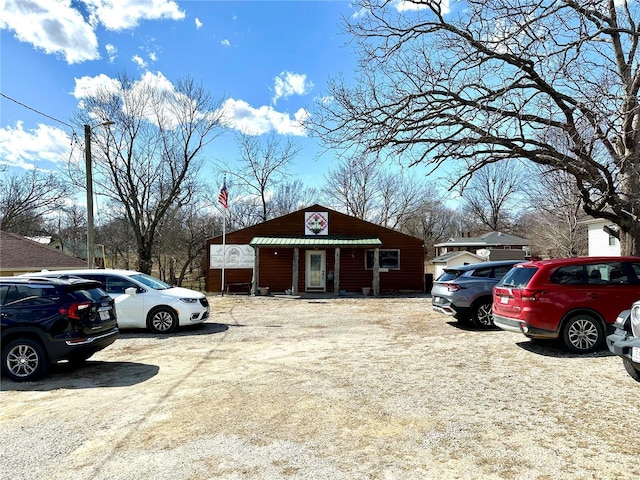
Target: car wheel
[(24, 360), (482, 317), (583, 334), (162, 320), (631, 370)]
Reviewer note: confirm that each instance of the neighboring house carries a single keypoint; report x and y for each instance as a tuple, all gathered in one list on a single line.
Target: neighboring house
[(316, 249), (454, 259), (601, 239), (19, 254), (485, 244)]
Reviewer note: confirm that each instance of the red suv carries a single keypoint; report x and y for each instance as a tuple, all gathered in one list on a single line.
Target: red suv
[(575, 300)]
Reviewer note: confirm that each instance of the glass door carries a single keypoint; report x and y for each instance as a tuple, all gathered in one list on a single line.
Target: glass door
[(315, 270)]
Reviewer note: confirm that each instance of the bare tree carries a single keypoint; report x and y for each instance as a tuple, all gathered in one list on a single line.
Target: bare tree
[(492, 193), (351, 187), (263, 167), (291, 196), (147, 162), (500, 80), (26, 199), (557, 217)]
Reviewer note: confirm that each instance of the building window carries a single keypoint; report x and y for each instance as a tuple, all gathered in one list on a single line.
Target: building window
[(389, 259), (612, 241)]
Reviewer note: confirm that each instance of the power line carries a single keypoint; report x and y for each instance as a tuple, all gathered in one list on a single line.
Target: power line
[(37, 111)]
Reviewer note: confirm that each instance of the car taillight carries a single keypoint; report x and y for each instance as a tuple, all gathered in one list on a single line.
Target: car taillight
[(75, 310), (531, 295), (453, 287)]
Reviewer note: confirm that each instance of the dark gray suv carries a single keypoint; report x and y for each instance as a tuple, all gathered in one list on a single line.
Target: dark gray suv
[(44, 320), (465, 291)]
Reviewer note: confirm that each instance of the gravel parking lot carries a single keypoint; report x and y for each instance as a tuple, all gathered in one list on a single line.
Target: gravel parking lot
[(325, 388)]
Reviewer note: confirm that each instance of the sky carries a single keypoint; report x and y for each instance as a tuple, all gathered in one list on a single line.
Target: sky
[(270, 60)]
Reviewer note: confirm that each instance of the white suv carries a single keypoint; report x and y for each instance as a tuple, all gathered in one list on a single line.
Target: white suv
[(143, 301)]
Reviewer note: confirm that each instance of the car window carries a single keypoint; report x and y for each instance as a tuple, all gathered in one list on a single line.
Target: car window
[(151, 282), (481, 272), (12, 294), (518, 277), (87, 294), (568, 275), (448, 275), (118, 284), (501, 271), (606, 273), (636, 269)]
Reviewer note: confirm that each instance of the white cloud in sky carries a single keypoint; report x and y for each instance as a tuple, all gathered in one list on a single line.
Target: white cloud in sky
[(241, 116), (225, 43), (57, 27), (125, 14), (28, 149), (112, 52), (52, 26), (407, 6), (287, 84), (198, 24), (138, 60)]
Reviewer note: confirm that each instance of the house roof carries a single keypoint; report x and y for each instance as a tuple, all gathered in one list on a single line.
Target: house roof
[(450, 255), (485, 240), (20, 253), (323, 241)]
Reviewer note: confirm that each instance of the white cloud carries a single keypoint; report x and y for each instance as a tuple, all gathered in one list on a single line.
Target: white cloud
[(125, 14), (89, 86), (50, 25), (287, 84), (198, 24), (137, 59), (30, 149), (112, 52), (225, 43), (57, 27), (241, 116), (153, 57), (407, 6)]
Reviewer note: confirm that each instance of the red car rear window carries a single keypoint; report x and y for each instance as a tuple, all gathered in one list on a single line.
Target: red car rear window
[(518, 277)]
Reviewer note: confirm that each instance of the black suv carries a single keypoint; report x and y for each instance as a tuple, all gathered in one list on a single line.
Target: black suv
[(44, 320)]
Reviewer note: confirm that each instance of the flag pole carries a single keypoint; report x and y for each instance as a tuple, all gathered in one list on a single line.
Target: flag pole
[(223, 198), (224, 246)]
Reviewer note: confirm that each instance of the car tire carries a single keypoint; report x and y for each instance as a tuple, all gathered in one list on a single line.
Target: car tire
[(631, 370), (162, 320), (481, 316), (24, 360), (583, 333)]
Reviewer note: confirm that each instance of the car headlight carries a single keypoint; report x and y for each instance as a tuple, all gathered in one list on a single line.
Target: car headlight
[(635, 314), (189, 300), (621, 320)]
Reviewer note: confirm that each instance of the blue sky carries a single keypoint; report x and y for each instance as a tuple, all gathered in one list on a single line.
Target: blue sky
[(270, 59)]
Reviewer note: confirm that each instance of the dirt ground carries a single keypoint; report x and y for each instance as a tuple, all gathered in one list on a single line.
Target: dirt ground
[(325, 388)]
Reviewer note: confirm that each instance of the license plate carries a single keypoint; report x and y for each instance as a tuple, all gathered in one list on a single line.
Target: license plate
[(504, 300), (635, 354), (104, 315)]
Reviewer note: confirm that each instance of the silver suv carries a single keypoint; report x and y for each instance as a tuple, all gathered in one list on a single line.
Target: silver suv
[(465, 291), (625, 341)]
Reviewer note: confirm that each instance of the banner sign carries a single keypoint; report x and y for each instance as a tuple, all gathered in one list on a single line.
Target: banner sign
[(235, 256)]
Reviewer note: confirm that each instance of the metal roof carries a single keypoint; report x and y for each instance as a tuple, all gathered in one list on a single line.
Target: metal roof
[(325, 241)]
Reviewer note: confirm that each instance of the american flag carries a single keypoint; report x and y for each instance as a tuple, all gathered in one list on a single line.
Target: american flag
[(223, 196)]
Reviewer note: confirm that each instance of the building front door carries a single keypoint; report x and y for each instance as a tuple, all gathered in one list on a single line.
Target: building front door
[(315, 270)]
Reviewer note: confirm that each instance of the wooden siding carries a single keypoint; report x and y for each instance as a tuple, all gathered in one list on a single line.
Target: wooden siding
[(276, 271)]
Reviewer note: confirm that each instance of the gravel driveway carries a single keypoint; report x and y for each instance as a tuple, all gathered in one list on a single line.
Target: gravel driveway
[(334, 388)]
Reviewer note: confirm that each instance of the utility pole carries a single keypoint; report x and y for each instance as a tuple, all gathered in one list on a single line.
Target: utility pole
[(89, 173)]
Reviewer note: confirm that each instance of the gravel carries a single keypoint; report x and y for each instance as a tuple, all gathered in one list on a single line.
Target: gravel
[(282, 387)]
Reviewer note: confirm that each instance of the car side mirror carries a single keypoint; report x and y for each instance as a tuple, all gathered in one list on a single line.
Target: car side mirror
[(132, 291)]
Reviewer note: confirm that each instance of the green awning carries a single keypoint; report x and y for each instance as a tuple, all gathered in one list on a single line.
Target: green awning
[(324, 241)]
